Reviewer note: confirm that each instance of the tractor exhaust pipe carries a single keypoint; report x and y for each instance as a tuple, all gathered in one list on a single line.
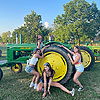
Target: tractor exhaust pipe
[(17, 38), (20, 38)]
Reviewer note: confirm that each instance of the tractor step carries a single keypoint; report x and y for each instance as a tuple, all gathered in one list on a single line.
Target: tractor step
[(3, 62)]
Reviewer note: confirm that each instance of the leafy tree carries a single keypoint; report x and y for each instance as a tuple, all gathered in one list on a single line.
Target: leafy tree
[(20, 30), (32, 27), (79, 21), (6, 37), (0, 39)]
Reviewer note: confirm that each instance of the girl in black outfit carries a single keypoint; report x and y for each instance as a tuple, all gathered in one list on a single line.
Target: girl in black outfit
[(39, 43), (46, 81)]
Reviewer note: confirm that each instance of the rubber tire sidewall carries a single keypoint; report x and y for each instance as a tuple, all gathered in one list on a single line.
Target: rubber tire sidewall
[(1, 74), (63, 52), (0, 53)]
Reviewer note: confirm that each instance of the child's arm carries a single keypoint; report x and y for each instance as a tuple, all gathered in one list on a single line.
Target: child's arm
[(68, 50), (45, 81), (38, 56), (49, 85), (43, 48)]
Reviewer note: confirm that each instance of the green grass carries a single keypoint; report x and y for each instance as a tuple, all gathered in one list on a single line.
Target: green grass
[(16, 87)]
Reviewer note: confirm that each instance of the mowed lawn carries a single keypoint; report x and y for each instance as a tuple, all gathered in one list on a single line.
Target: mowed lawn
[(16, 86)]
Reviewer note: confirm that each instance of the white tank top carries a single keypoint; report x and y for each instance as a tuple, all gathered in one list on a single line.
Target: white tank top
[(79, 62), (33, 60)]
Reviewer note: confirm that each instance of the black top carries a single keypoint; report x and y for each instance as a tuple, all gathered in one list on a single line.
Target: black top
[(48, 77)]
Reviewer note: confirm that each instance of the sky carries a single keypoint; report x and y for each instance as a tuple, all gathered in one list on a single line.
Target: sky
[(12, 12)]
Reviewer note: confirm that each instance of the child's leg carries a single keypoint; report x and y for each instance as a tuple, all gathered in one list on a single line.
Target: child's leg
[(36, 79), (36, 74), (32, 83), (75, 78), (33, 79), (60, 86), (39, 87)]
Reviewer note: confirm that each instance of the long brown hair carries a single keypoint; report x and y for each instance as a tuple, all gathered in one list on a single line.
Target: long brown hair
[(79, 52), (35, 52), (37, 38), (50, 69)]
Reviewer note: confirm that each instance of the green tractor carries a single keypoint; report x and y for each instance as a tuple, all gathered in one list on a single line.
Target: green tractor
[(96, 51), (17, 54)]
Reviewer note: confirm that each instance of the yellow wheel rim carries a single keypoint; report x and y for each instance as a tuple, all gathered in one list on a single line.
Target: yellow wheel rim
[(95, 58), (16, 68), (86, 58), (57, 62)]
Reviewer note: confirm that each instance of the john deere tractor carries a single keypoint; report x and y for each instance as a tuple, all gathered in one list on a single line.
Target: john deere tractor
[(17, 54)]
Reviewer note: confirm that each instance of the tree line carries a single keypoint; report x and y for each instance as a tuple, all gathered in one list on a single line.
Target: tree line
[(79, 22)]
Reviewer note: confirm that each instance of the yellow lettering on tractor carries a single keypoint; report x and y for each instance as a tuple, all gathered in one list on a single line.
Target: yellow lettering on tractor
[(25, 48)]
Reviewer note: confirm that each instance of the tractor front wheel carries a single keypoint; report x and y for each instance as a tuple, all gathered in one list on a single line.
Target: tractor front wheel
[(59, 61), (16, 68), (1, 74)]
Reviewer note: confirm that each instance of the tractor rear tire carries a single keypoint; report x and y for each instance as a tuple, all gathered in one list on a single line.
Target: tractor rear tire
[(0, 53), (1, 74), (16, 68), (88, 57), (59, 61)]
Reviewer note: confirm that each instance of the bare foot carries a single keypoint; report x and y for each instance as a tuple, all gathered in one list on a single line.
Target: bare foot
[(44, 94), (49, 92)]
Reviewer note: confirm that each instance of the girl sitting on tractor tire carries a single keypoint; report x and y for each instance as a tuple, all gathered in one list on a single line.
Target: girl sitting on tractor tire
[(39, 42), (30, 66), (46, 81)]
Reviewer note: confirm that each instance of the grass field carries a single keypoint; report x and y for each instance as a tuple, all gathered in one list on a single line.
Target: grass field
[(16, 86)]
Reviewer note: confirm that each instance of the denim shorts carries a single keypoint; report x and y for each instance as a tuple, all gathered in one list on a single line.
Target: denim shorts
[(80, 68), (41, 80), (29, 69)]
